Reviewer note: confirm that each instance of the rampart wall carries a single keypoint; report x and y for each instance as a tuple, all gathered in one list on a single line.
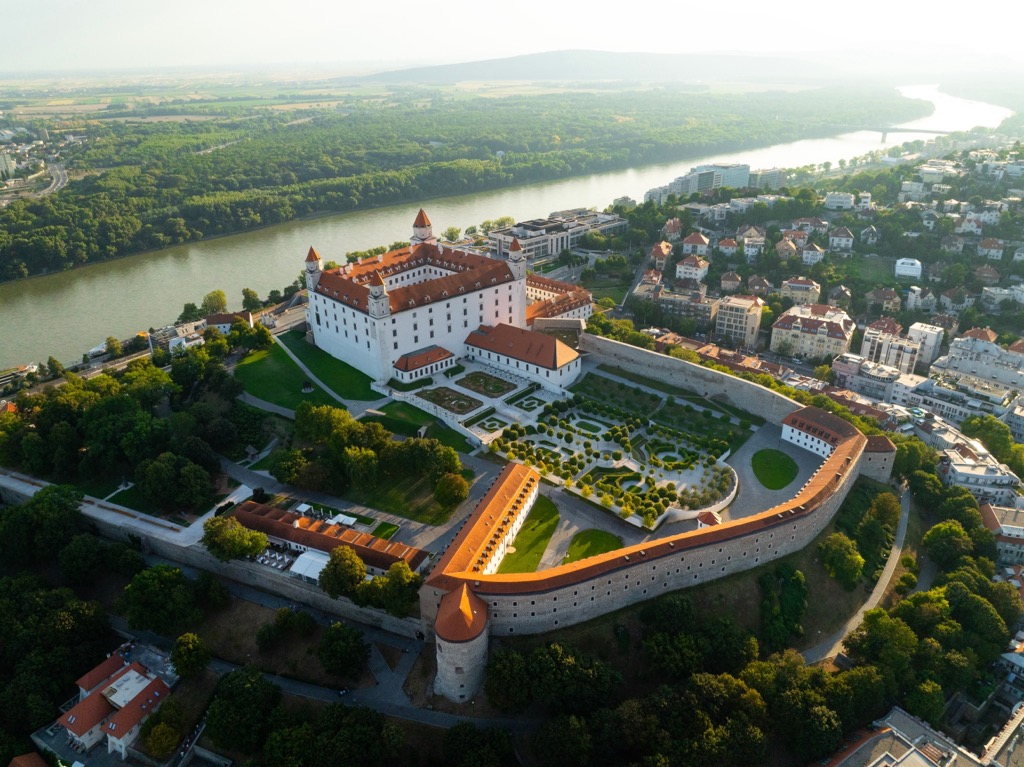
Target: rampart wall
[(751, 397)]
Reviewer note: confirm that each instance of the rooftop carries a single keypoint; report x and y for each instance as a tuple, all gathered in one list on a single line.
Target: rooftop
[(526, 346)]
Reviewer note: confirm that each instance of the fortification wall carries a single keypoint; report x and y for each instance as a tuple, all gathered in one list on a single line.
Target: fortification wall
[(751, 397)]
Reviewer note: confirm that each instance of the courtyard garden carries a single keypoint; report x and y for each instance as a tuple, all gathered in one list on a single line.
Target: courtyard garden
[(450, 400), (638, 466), (486, 384), (590, 543), (533, 538)]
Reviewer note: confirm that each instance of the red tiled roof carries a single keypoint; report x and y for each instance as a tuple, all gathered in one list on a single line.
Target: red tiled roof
[(421, 219), (104, 670), (989, 519), (696, 238), (141, 706), (822, 424), (991, 243), (728, 242), (1017, 346), (31, 759), (461, 617), (376, 280), (661, 249), (524, 345), (982, 334), (229, 318), (88, 713), (421, 358), (886, 325), (709, 518), (515, 245), (314, 534), (467, 272), (878, 443), (312, 255)]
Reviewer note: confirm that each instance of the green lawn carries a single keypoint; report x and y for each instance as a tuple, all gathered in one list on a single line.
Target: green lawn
[(409, 498), (133, 498), (773, 468), (339, 376), (590, 543), (271, 375), (98, 487), (385, 530), (403, 418), (532, 539), (616, 292)]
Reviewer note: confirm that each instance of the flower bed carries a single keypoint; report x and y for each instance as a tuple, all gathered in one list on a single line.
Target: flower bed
[(451, 400)]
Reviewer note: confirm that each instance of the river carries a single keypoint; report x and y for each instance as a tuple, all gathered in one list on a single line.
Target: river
[(67, 313)]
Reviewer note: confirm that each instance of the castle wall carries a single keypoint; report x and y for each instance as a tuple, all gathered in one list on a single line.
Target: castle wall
[(751, 397)]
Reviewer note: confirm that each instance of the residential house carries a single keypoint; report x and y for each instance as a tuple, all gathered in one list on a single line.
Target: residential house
[(987, 275), (839, 201), (810, 225), (759, 286), (887, 298), (840, 296), (967, 225), (785, 249), (970, 466), (1018, 254), (752, 248), (929, 338), (840, 239), (802, 291), (696, 243), (908, 268), (882, 344), (921, 299), (952, 244), (869, 235), (660, 254), (812, 254), (797, 236), (673, 230), (991, 248), (731, 282), (955, 300), (929, 218), (749, 230), (728, 246), (692, 268)]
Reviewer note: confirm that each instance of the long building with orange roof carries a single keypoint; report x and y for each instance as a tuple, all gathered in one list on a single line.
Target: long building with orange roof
[(529, 603), (406, 314)]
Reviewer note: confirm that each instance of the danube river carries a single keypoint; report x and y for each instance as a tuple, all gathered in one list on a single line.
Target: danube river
[(67, 313)]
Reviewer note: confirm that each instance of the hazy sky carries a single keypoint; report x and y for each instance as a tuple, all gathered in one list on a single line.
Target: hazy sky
[(389, 34)]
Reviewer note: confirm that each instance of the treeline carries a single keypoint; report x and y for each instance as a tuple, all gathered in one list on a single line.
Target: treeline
[(157, 187)]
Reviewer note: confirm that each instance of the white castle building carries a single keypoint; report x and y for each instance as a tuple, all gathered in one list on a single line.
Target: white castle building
[(407, 313)]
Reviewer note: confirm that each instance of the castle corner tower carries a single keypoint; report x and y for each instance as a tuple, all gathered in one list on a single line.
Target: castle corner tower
[(314, 268), (422, 230)]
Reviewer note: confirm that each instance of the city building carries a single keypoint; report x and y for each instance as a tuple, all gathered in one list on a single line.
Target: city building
[(802, 291), (921, 299), (976, 470), (739, 320), (728, 246), (887, 298), (732, 175), (883, 344), (840, 239), (812, 254), (1007, 525), (543, 237), (524, 353), (730, 282), (770, 178), (813, 331), (977, 354), (661, 252), (696, 243), (839, 201), (929, 339), (758, 285)]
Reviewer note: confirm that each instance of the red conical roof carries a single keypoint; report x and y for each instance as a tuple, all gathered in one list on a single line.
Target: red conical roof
[(312, 255), (421, 219), (376, 279), (515, 245)]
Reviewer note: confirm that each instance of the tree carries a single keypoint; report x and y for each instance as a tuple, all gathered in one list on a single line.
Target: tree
[(250, 300), (947, 542), (927, 701), (190, 313), (160, 598), (563, 741), (114, 347), (451, 234), (83, 558), (342, 651), (239, 717), (507, 683), (451, 489), (841, 560), (161, 740), (343, 572), (190, 656), (214, 302), (227, 539)]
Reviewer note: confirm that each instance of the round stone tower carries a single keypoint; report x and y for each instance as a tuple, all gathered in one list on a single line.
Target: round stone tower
[(461, 631)]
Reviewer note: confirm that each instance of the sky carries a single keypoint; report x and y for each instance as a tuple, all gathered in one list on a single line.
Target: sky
[(376, 35)]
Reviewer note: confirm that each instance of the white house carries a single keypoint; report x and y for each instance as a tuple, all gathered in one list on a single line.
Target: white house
[(839, 201), (991, 248), (696, 243), (869, 235), (841, 239), (908, 268), (692, 268), (812, 254), (752, 248), (525, 353)]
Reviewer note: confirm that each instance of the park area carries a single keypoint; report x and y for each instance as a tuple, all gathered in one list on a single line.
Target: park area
[(272, 376), (343, 379)]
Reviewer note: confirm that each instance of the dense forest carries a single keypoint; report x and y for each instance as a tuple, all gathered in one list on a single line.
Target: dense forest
[(148, 185)]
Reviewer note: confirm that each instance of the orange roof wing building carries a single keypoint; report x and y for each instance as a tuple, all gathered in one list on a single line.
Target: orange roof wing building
[(524, 345)]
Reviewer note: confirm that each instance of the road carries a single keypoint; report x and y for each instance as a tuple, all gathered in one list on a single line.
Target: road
[(832, 645)]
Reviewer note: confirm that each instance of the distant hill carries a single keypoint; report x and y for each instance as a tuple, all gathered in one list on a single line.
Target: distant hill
[(591, 66)]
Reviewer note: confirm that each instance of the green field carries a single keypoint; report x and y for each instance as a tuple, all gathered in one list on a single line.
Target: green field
[(590, 543), (340, 377), (407, 497), (773, 468), (133, 498), (532, 539), (271, 375)]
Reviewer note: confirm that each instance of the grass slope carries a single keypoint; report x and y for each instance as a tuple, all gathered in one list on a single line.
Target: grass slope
[(338, 376), (532, 539), (271, 375)]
